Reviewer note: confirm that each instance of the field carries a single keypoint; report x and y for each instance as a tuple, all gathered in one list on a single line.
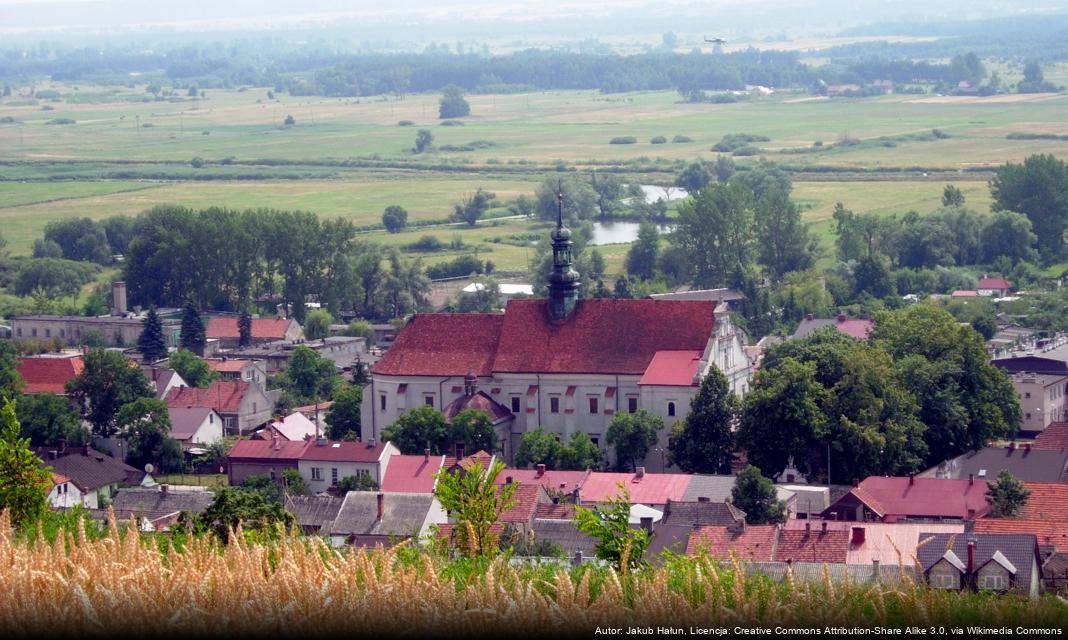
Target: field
[(349, 158)]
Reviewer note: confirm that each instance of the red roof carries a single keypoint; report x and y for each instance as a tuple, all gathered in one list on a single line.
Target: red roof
[(858, 329), (227, 365), (1053, 437), (1048, 501), (479, 401), (994, 283), (566, 481), (756, 542), (965, 293), (262, 328), (812, 546), (526, 499), (223, 395), (267, 450), (672, 368), (49, 374), (555, 511), (1048, 533), (343, 452), (411, 474), (443, 344), (923, 497), (652, 488)]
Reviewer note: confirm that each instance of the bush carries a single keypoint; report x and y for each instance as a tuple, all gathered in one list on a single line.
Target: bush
[(623, 140), (7, 120), (395, 218), (405, 123), (60, 121), (451, 123), (456, 268), (748, 150), (426, 244), (734, 141), (658, 140), (289, 121), (938, 133), (196, 162), (682, 139)]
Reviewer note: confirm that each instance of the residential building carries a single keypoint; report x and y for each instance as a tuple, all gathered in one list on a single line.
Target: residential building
[(225, 330), (163, 380), (982, 561), (703, 512), (858, 328), (323, 463), (49, 373), (815, 543), (557, 483), (294, 427), (263, 457), (342, 350), (753, 542), (64, 493), (158, 508), (314, 514), (243, 406), (412, 474), (111, 331), (996, 287), (886, 544), (239, 369), (1023, 462), (316, 413), (96, 476), (195, 427), (911, 498), (367, 518), (1042, 400), (651, 489), (1049, 359)]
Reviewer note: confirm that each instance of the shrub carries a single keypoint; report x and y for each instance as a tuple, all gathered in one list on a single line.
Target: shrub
[(734, 141), (623, 140), (405, 123), (747, 150), (451, 123), (658, 140), (197, 162), (425, 244), (682, 139), (7, 120), (60, 121), (938, 133)]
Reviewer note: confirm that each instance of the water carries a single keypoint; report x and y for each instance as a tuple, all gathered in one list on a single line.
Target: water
[(619, 232), (667, 194)]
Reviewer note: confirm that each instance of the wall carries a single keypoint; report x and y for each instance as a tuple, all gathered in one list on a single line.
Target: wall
[(344, 470), (73, 330), (241, 470)]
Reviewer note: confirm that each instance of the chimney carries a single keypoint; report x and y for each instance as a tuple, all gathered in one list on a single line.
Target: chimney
[(809, 316), (823, 527), (971, 556), (971, 514), (842, 317), (118, 299), (858, 535), (62, 446), (704, 499), (381, 503), (163, 490), (875, 567), (647, 523), (541, 471), (639, 472), (912, 479), (971, 479), (276, 442), (426, 455), (577, 560)]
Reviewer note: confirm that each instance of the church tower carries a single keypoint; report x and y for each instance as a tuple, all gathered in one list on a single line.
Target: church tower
[(563, 281)]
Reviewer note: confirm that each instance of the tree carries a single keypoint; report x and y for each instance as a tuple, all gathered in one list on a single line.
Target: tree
[(416, 430), (952, 196), (244, 328), (632, 435), (580, 200), (395, 218), (355, 483), (474, 430), (343, 418), (234, 506), (308, 376), (317, 324), (538, 446), (193, 335), (715, 231), (81, 239), (694, 176), (192, 369), (11, 382), (24, 484), (452, 103), (723, 167), (609, 190), (151, 343), (471, 208), (1038, 188), (755, 495), (641, 258), (579, 453), (293, 484), (423, 139), (47, 418), (107, 382), (145, 424), (617, 542), (1007, 234), (703, 442), (476, 503), (872, 276), (784, 243), (1006, 496), (289, 121)]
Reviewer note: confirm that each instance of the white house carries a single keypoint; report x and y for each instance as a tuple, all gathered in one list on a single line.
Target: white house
[(322, 464), (195, 427), (64, 493)]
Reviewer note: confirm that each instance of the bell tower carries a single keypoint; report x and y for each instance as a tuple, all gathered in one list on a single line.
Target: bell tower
[(563, 281)]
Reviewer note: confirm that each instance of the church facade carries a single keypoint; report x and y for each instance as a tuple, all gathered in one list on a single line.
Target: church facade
[(563, 364)]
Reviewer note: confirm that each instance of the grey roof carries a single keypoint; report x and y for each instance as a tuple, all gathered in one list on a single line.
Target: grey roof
[(813, 571), (692, 514), (952, 559), (186, 420), (1028, 465), (808, 326), (163, 381), (403, 514), (566, 534), (93, 470), (315, 512), (154, 503), (1019, 549), (668, 537), (715, 488), (716, 295)]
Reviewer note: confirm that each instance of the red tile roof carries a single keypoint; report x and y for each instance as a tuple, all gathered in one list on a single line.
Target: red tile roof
[(858, 329), (815, 546), (343, 452), (923, 497), (46, 374), (266, 450), (757, 542), (479, 402), (411, 474), (223, 395), (652, 488), (1053, 437), (672, 368), (994, 283), (1048, 532), (965, 293), (565, 481), (227, 365), (1048, 501), (555, 511), (443, 344), (262, 328), (892, 544), (600, 336), (526, 499)]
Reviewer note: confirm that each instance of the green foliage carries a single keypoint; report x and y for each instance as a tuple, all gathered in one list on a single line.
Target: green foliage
[(452, 103), (1006, 496), (192, 369), (579, 453), (784, 243), (294, 484), (538, 446), (618, 544), (471, 208), (145, 424), (24, 485), (703, 442), (47, 418), (11, 382), (193, 335), (952, 196), (423, 140), (633, 435), (694, 176), (609, 190), (151, 343), (289, 121), (244, 328), (395, 218), (343, 418), (317, 324), (54, 276), (474, 430), (1038, 188), (623, 140), (360, 328), (355, 483), (715, 232), (234, 506), (734, 141), (485, 299), (476, 503), (580, 199), (642, 255), (756, 496), (418, 429), (308, 376), (107, 383)]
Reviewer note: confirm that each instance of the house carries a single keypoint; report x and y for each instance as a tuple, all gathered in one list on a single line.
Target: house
[(158, 508), (556, 483), (49, 373), (565, 533), (412, 474), (885, 544), (858, 329), (242, 405), (323, 463), (753, 542), (314, 514), (1053, 438), (564, 364), (316, 413), (996, 287), (263, 458), (64, 493), (367, 518), (651, 489), (1051, 359), (95, 475), (342, 350), (294, 427), (911, 498), (239, 369), (1042, 400), (225, 330), (703, 512), (981, 561), (815, 543), (163, 380), (195, 427), (1023, 462), (527, 499)]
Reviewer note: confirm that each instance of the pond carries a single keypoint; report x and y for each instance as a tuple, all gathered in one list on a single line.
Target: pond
[(667, 194), (619, 232)]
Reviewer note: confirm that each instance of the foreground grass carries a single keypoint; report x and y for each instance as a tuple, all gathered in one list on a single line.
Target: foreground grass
[(80, 583)]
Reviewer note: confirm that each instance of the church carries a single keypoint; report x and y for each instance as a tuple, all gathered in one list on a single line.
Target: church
[(561, 363)]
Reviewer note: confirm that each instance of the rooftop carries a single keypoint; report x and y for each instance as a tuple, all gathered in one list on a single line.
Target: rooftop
[(403, 514), (904, 496), (673, 368), (186, 420), (262, 328), (858, 329), (89, 469), (1048, 501), (812, 546), (411, 474), (49, 374), (563, 481), (343, 451), (755, 542), (881, 541), (651, 488), (155, 503), (223, 395), (267, 450), (1019, 549), (1053, 437), (1025, 463)]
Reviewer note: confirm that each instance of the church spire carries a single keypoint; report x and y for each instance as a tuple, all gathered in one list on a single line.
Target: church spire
[(563, 281)]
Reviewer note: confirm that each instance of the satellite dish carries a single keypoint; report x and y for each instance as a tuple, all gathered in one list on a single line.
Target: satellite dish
[(149, 468)]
